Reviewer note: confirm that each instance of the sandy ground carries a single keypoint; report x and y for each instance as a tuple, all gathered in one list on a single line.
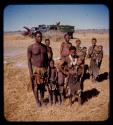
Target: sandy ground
[(20, 105)]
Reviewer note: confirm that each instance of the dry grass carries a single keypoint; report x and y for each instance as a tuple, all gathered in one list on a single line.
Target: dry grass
[(20, 105)]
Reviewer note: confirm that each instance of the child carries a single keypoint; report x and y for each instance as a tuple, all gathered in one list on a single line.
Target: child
[(95, 62), (61, 81), (52, 82), (78, 43), (49, 50), (74, 81)]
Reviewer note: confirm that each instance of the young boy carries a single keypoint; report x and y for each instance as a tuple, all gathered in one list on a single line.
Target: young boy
[(49, 50), (52, 82), (78, 43), (84, 50), (62, 69)]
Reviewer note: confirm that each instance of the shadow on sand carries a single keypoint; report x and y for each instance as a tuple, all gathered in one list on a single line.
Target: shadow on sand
[(86, 95), (103, 76)]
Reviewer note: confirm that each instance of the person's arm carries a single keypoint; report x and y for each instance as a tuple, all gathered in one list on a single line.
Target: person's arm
[(46, 58), (102, 55), (82, 70), (61, 48), (29, 56), (89, 53), (51, 53), (48, 74), (56, 75)]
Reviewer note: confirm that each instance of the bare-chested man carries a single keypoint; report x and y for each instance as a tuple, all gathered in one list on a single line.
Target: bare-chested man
[(37, 63), (64, 49), (49, 49)]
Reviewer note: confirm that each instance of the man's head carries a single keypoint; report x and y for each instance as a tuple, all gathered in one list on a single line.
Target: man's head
[(38, 36), (52, 63), (78, 42), (72, 51), (47, 42), (94, 41), (67, 37)]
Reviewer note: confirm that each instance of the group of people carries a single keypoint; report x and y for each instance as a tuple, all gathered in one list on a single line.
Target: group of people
[(65, 80)]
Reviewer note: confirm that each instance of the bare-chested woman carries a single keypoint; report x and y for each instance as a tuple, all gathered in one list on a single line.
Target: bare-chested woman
[(37, 63), (64, 49)]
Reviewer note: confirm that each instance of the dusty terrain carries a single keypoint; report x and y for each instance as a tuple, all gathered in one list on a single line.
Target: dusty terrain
[(20, 105)]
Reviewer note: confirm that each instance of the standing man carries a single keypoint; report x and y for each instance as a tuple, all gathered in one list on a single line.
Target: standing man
[(64, 49), (37, 64)]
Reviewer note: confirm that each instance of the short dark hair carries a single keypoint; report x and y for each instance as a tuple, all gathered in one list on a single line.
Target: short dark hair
[(66, 34), (64, 64), (84, 47), (78, 40), (37, 32), (52, 61), (47, 40), (72, 48), (94, 39)]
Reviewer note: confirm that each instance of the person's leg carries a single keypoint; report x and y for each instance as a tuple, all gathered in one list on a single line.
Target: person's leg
[(50, 97), (70, 100), (80, 96), (59, 99), (96, 72), (54, 97), (58, 96), (62, 94), (36, 94), (62, 98)]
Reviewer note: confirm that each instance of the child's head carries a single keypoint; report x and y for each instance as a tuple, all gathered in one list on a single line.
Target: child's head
[(72, 51), (79, 61), (94, 41), (47, 42), (52, 63), (78, 42), (84, 49), (64, 65), (100, 48), (67, 37)]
